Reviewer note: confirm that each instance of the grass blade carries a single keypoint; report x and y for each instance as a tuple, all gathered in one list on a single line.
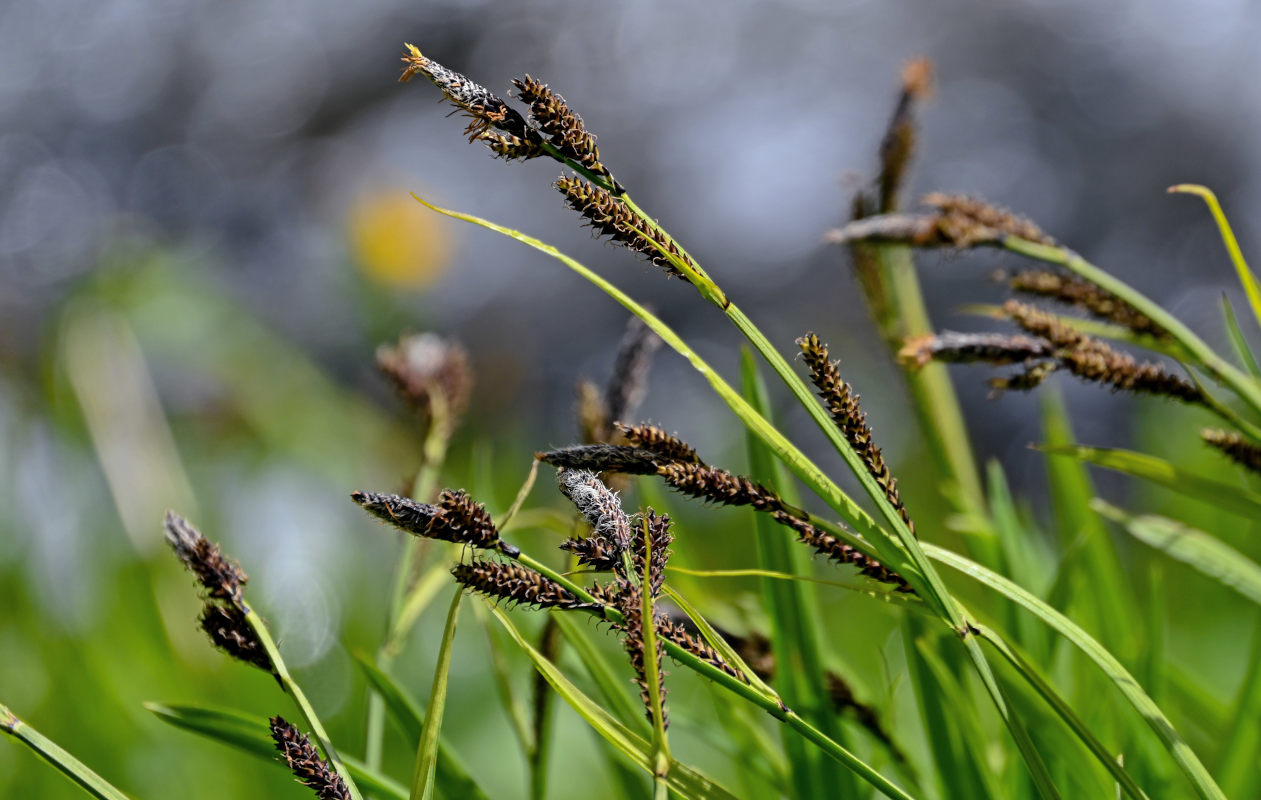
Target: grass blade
[(451, 778), (1196, 548), (252, 735), (1124, 681), (1246, 278), (1221, 495), (50, 751), (427, 749), (1237, 339), (1237, 763)]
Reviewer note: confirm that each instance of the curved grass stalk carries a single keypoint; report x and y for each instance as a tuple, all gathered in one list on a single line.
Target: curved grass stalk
[(1181, 752), (1246, 278)]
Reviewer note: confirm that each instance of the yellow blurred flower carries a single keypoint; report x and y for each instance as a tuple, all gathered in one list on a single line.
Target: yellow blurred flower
[(395, 241)]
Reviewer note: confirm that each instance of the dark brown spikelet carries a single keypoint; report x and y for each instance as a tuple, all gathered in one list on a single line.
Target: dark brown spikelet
[(677, 632), (843, 701), (756, 650), (630, 603), (230, 632), (1093, 360), (657, 441), (898, 144), (958, 222), (660, 537), (1031, 377), (305, 763), (833, 548), (220, 576), (719, 486), (516, 584), (610, 217), (1235, 447), (602, 458), (598, 504), (965, 348), (1082, 294), (595, 552), (428, 370), (842, 403), (456, 518), (486, 110), (562, 126), (629, 381)]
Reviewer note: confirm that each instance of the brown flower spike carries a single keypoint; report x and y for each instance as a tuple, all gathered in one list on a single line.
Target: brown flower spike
[(456, 518), (305, 763), (1074, 291), (230, 632), (221, 577), (842, 403), (1235, 447), (516, 584)]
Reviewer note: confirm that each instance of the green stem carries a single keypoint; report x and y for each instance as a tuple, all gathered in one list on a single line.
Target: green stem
[(50, 751), (292, 688)]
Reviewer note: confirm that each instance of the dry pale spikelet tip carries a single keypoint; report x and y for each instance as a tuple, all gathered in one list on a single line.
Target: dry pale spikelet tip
[(836, 550), (230, 632), (630, 603), (1094, 360), (609, 217), (629, 380), (305, 763), (1077, 292), (598, 504), (456, 518), (964, 348), (221, 577), (423, 365), (1234, 446), (561, 125), (719, 486), (842, 403), (487, 110), (602, 458), (516, 584), (898, 144), (655, 440)]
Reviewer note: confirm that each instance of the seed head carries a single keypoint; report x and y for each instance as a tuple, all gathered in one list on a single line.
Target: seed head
[(655, 440), (957, 221), (598, 504), (230, 632), (456, 518), (719, 486), (630, 603), (305, 763), (221, 577), (1235, 447), (842, 403), (1077, 292), (629, 381), (612, 218), (427, 369), (898, 144), (562, 126), (515, 583), (602, 458), (964, 348), (834, 549)]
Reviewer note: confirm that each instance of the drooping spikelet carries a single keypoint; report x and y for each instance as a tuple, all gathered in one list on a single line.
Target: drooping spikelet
[(677, 633), (602, 458), (957, 221), (456, 518), (629, 379), (1235, 447), (1077, 292), (836, 550), (630, 603), (305, 763), (515, 583), (965, 348), (842, 403), (230, 632), (719, 486), (612, 218), (562, 126), (221, 577), (1093, 360), (655, 440), (429, 371)]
